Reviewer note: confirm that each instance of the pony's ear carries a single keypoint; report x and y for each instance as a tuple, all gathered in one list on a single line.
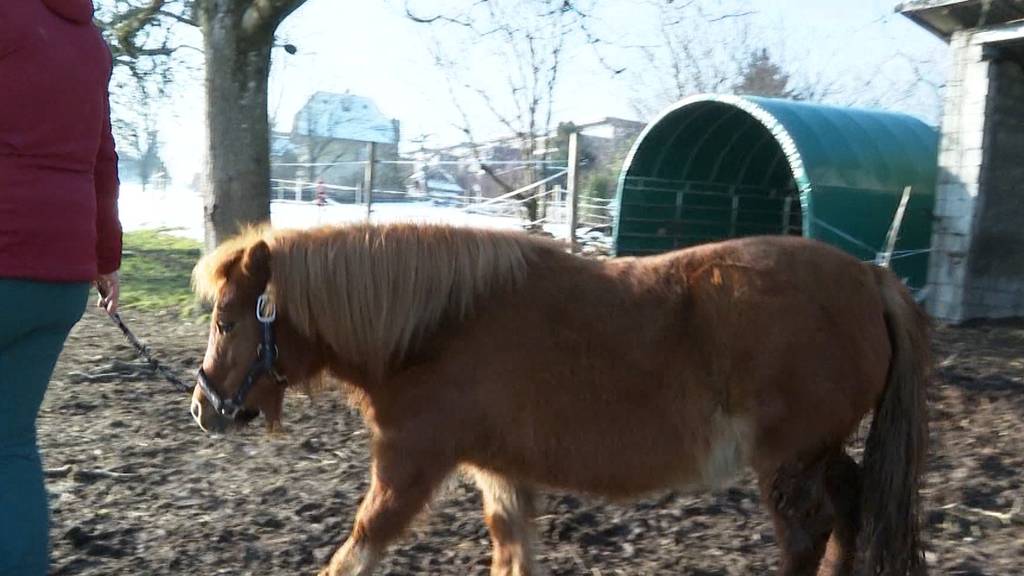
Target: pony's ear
[(212, 271), (256, 262)]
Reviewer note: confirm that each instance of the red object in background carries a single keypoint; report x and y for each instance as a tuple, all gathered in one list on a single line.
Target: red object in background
[(321, 194), (58, 167)]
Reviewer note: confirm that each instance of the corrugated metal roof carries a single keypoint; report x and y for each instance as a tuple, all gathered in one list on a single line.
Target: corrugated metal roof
[(713, 167), (944, 17), (344, 117)]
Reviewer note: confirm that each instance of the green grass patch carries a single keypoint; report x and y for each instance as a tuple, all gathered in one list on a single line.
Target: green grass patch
[(156, 272)]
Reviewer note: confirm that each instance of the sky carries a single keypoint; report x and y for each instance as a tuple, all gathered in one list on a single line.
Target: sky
[(370, 48)]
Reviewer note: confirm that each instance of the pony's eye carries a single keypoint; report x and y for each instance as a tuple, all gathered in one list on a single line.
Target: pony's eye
[(225, 327)]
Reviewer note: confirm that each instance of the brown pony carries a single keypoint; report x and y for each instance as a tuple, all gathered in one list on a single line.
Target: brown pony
[(502, 355)]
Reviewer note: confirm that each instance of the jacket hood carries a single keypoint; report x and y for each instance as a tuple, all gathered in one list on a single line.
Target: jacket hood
[(79, 11)]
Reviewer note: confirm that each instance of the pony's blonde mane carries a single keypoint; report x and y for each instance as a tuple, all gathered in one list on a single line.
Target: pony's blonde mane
[(371, 292)]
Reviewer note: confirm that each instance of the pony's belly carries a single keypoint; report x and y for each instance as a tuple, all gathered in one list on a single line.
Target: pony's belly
[(716, 461), (624, 463)]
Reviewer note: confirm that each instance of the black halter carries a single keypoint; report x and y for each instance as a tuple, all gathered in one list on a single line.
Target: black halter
[(265, 363)]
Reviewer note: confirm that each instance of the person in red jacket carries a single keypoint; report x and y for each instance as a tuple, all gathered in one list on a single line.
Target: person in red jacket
[(59, 233)]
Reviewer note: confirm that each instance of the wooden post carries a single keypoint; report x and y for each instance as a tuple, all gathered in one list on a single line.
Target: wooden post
[(572, 188), (735, 214), (368, 175), (542, 198), (787, 214), (680, 199), (894, 230)]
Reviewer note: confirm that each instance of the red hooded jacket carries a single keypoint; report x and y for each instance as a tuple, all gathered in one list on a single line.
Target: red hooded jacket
[(58, 168)]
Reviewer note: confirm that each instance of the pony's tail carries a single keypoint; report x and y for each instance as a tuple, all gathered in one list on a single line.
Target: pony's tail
[(894, 453)]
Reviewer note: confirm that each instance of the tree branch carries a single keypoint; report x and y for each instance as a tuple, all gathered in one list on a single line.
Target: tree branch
[(266, 15), (178, 17), (127, 25), (436, 18), (731, 16), (489, 102), (467, 130), (594, 42), (461, 20), (489, 170), (165, 51), (556, 59)]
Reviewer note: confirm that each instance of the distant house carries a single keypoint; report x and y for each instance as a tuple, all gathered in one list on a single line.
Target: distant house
[(437, 182), (612, 129), (329, 142), (283, 158), (604, 145), (345, 117)]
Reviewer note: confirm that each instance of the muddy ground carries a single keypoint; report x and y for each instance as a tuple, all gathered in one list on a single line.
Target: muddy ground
[(137, 489)]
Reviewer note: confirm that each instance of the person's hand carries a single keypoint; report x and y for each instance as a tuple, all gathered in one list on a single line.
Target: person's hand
[(109, 287)]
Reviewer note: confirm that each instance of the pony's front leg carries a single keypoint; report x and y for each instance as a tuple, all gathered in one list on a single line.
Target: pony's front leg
[(399, 488)]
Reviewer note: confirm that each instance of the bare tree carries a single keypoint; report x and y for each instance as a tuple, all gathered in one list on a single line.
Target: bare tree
[(705, 47), (688, 56), (145, 36), (712, 46), (237, 37), (152, 48), (527, 39)]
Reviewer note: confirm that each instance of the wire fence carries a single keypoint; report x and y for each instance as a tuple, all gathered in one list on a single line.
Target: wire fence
[(541, 207)]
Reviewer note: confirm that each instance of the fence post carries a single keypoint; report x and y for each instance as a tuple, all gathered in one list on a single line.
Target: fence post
[(885, 257), (572, 188), (371, 159), (787, 214), (734, 217)]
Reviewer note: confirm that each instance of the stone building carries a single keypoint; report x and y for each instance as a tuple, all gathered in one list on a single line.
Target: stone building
[(977, 264)]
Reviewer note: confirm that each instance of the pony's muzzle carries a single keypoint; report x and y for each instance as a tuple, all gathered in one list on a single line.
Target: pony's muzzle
[(206, 416)]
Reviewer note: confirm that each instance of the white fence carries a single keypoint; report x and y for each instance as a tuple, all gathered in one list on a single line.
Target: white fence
[(180, 210), (558, 209)]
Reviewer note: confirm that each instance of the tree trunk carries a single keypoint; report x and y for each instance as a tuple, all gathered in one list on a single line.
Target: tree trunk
[(237, 179)]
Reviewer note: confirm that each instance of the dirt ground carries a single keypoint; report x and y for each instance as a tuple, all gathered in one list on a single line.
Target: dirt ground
[(136, 488)]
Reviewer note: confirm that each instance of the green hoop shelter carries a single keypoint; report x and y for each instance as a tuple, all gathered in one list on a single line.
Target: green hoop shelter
[(716, 167)]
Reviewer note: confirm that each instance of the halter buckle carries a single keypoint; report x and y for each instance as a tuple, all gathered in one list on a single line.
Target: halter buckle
[(266, 311)]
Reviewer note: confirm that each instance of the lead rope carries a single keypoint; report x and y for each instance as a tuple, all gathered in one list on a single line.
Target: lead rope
[(143, 351)]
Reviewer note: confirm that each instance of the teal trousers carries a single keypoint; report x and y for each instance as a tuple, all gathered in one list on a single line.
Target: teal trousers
[(35, 318)]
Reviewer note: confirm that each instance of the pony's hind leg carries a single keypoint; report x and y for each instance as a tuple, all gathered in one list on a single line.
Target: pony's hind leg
[(843, 487), (508, 511), (795, 495), (399, 489)]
